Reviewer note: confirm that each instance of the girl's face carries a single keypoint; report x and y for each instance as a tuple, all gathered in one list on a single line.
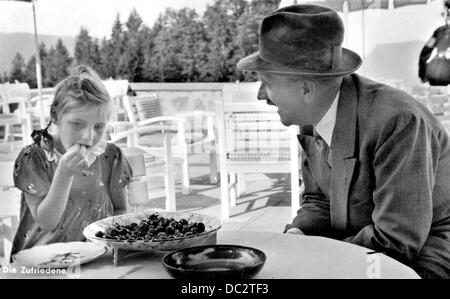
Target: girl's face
[(84, 125)]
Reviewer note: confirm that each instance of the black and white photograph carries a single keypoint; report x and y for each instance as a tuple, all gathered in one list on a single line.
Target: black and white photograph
[(225, 145)]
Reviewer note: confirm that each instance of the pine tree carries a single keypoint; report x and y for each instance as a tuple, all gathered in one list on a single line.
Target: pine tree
[(148, 45), (31, 67), (4, 77), (220, 19), (107, 66), (18, 69), (95, 55), (152, 70), (167, 49), (132, 60), (83, 49), (193, 50), (30, 72), (58, 64), (176, 47), (117, 46), (248, 30)]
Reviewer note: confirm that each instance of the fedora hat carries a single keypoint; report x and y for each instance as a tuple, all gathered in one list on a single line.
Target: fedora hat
[(302, 40)]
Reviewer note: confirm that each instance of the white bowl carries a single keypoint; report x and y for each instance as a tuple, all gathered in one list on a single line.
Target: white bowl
[(208, 237)]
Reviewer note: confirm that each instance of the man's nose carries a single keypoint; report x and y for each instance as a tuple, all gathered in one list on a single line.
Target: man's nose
[(262, 94)]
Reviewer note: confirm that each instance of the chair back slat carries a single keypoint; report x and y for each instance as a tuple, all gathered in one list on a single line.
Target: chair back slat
[(439, 104), (253, 132), (15, 98), (12, 91), (148, 107), (252, 139), (139, 108)]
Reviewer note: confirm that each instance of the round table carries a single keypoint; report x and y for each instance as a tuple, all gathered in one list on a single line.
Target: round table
[(299, 256), (288, 256)]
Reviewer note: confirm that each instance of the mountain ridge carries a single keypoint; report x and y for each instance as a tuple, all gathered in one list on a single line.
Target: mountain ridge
[(24, 43)]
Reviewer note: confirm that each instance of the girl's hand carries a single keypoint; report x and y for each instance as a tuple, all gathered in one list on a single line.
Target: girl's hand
[(74, 160)]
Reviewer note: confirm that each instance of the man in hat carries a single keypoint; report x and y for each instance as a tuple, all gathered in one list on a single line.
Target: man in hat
[(376, 163)]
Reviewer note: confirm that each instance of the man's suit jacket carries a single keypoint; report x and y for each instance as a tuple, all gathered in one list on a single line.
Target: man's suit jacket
[(390, 179)]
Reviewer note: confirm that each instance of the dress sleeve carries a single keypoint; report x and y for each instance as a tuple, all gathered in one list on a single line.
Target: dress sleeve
[(32, 175)]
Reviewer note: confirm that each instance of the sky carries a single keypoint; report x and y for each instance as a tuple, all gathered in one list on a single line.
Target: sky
[(65, 17)]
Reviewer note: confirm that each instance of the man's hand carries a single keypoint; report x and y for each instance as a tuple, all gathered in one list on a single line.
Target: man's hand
[(294, 231)]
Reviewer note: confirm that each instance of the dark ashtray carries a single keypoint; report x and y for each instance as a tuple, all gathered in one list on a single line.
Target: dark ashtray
[(214, 262)]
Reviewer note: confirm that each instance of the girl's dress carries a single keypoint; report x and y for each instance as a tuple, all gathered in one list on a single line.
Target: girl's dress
[(89, 198)]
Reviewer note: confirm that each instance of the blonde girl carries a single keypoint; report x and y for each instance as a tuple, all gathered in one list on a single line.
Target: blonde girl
[(70, 178)]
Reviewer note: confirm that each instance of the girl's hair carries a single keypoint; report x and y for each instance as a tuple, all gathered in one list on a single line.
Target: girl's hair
[(82, 88)]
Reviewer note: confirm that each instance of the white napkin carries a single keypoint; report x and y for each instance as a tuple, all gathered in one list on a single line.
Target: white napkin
[(93, 152)]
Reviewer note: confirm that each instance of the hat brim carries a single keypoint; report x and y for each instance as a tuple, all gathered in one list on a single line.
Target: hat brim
[(350, 62)]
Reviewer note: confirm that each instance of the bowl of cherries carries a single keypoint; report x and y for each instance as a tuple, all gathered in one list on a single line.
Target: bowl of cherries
[(153, 230)]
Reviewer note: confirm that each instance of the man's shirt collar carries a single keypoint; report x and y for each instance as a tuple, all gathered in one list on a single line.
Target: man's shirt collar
[(325, 126)]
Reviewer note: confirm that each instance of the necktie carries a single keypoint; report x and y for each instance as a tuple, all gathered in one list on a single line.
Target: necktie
[(323, 148)]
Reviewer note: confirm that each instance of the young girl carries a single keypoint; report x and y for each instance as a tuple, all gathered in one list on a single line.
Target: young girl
[(71, 178)]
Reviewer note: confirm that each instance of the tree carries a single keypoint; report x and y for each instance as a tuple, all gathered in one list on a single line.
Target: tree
[(31, 66), (58, 64), (107, 68), (148, 45), (131, 61), (117, 46), (95, 55), (248, 30), (193, 43), (151, 70), (83, 49), (164, 56), (4, 77), (176, 47), (18, 68), (220, 19)]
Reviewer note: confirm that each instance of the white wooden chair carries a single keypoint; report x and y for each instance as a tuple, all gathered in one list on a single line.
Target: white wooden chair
[(440, 106), (117, 90), (145, 111), (9, 199), (34, 109), (151, 155), (12, 96), (138, 188), (198, 135), (253, 140), (196, 132)]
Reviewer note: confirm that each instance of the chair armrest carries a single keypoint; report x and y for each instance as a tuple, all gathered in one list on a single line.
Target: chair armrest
[(120, 124), (197, 113), (210, 117), (157, 119), (36, 99)]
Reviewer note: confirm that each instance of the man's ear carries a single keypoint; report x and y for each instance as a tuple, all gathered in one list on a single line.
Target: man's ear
[(308, 90)]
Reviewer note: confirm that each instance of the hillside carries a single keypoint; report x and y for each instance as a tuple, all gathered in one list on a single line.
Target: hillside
[(11, 43)]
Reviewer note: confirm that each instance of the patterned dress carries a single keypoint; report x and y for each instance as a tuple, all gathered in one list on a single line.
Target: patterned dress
[(89, 198)]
